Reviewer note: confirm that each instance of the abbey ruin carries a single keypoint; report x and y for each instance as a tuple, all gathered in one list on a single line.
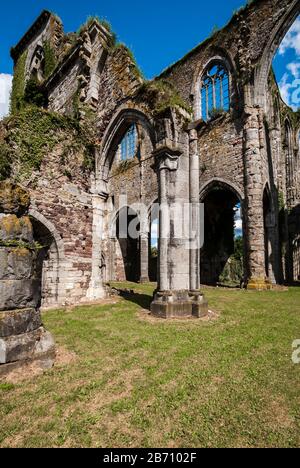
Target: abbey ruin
[(87, 130)]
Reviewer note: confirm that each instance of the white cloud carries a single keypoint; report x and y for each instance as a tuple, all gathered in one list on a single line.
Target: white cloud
[(154, 233), (290, 87), (5, 90), (292, 39), (238, 220), (294, 69), (289, 84)]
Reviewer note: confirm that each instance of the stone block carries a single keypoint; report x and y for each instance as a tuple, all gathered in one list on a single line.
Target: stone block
[(179, 304), (259, 284), (18, 322), (13, 229), (38, 344), (13, 199), (19, 294), (16, 263)]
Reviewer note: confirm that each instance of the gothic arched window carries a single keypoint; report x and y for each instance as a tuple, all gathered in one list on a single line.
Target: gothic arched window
[(128, 145), (38, 64), (215, 95), (289, 156)]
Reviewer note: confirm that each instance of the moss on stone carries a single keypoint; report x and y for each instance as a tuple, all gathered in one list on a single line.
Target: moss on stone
[(13, 198), (5, 161), (35, 94), (102, 22), (20, 247), (50, 59), (18, 87), (125, 166), (161, 95), (135, 68), (33, 132)]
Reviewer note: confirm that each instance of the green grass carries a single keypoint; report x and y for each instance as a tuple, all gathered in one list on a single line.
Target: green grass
[(146, 383)]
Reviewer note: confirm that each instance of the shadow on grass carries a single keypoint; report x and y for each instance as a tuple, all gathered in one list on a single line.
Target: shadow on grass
[(142, 300)]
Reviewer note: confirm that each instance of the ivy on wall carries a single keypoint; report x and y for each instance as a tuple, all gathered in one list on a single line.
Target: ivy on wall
[(32, 133), (161, 95), (18, 88), (50, 59)]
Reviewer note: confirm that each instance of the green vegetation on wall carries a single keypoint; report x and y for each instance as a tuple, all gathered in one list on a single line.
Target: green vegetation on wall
[(50, 59), (35, 94), (91, 19), (161, 95), (135, 67), (18, 89), (5, 161), (32, 133)]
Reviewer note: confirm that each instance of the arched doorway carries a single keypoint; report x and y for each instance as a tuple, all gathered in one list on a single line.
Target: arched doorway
[(154, 242), (222, 254), (47, 264), (269, 236), (128, 255), (124, 171)]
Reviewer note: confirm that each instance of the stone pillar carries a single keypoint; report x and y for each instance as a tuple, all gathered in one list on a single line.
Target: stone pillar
[(23, 338), (195, 212), (144, 254), (254, 199), (174, 298), (96, 289)]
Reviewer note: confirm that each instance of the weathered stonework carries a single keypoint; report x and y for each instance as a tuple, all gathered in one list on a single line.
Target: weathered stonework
[(22, 336), (250, 152)]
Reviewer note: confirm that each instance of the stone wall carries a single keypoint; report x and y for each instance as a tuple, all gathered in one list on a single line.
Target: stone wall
[(22, 335), (99, 82)]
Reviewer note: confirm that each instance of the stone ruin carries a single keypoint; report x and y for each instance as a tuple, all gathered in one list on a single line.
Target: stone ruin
[(23, 339), (100, 131)]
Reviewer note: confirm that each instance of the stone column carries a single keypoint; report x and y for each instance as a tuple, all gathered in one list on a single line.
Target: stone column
[(96, 289), (23, 338), (144, 253), (174, 257), (253, 165), (195, 212), (164, 223)]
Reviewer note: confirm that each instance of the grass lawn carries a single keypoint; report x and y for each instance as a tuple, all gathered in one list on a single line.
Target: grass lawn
[(137, 382)]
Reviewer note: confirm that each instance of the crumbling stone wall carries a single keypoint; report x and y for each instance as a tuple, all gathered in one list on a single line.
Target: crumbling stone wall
[(61, 206), (22, 335), (98, 83)]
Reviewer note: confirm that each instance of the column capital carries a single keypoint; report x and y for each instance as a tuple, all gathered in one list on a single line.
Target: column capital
[(100, 189), (166, 157)]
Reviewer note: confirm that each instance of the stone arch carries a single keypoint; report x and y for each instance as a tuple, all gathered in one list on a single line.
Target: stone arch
[(219, 263), (51, 257), (270, 244), (128, 261), (114, 133), (276, 36), (222, 183), (153, 216), (219, 56)]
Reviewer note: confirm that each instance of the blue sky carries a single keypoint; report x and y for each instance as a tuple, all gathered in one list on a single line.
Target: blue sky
[(159, 32)]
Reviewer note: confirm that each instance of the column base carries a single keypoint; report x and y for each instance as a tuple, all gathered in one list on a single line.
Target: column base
[(144, 279), (179, 304), (95, 293), (18, 350), (259, 284)]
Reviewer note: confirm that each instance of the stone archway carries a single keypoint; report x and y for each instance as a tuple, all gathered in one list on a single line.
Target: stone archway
[(223, 251), (50, 259), (281, 27), (110, 189)]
